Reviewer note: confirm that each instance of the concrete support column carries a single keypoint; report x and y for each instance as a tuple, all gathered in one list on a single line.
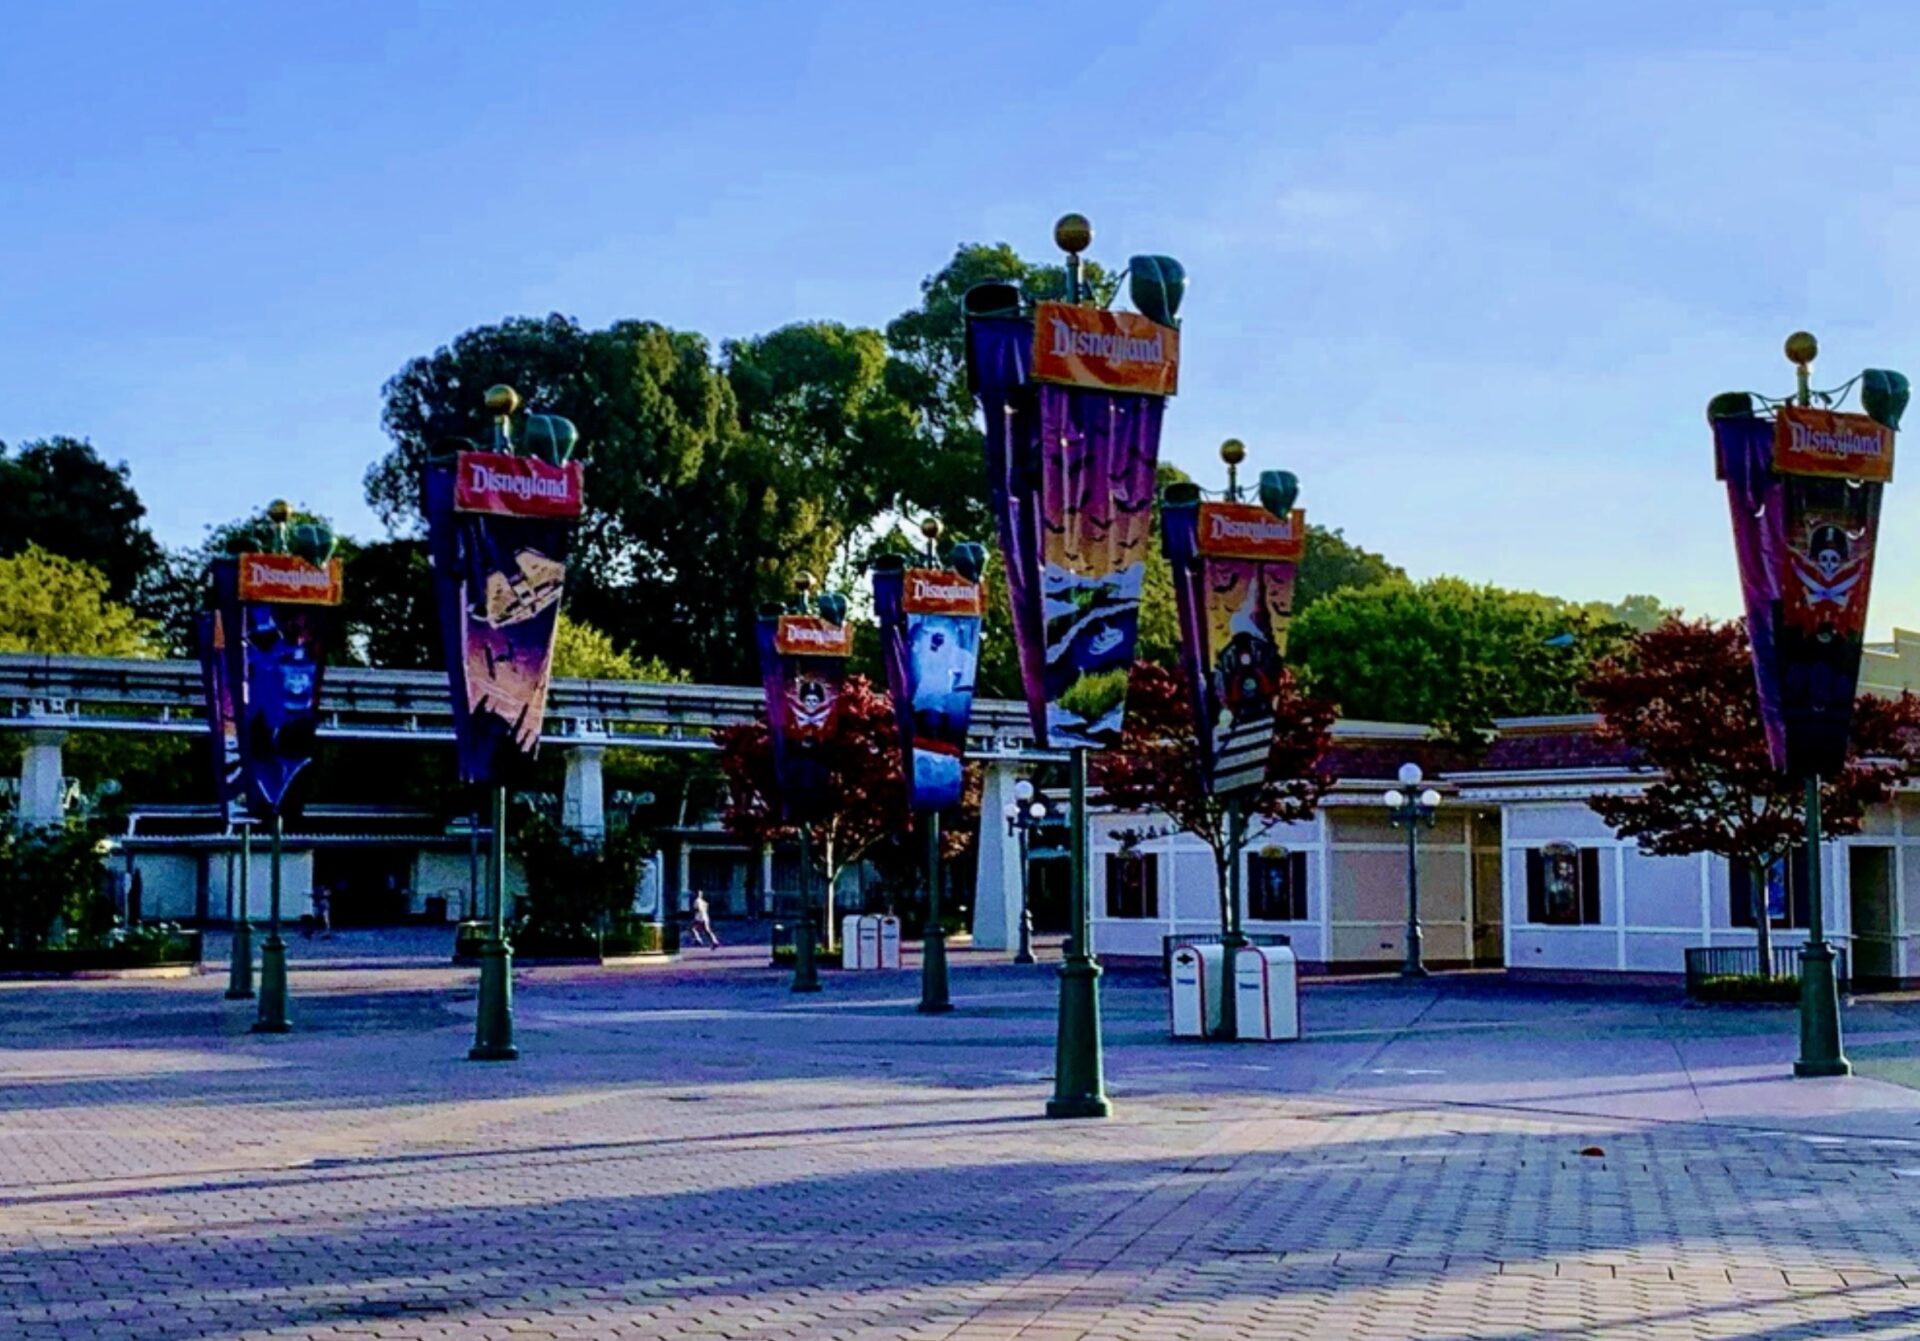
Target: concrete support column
[(682, 873), (583, 796), (40, 778), (766, 879), (996, 887)]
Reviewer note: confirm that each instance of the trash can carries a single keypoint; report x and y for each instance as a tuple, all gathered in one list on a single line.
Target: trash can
[(889, 952), (1266, 994), (1195, 990)]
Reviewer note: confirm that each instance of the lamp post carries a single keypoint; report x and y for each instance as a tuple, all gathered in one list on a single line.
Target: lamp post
[(1412, 812), (934, 999), (240, 958), (1024, 815)]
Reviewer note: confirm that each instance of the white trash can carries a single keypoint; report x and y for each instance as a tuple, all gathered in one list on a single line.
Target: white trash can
[(850, 941), (1266, 993), (1195, 989), (888, 953)]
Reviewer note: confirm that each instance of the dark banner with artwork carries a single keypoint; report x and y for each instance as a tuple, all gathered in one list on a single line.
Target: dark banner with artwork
[(1805, 489), (803, 667), (930, 641), (1070, 472), (499, 529), (275, 653), (223, 709), (1233, 572)]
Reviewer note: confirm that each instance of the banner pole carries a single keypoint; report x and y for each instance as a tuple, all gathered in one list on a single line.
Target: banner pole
[(1820, 1047), (933, 944), (240, 957), (493, 1021), (273, 955), (1230, 939), (806, 973), (1079, 1085)]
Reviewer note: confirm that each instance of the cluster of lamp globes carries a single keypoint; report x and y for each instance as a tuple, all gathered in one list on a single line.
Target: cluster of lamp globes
[(1025, 804), (1410, 776)]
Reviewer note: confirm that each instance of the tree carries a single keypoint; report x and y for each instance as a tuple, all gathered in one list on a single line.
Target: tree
[(1681, 698), (388, 609), (58, 494), (582, 652), (1334, 563), (54, 605), (1449, 653), (865, 800), (1157, 767)]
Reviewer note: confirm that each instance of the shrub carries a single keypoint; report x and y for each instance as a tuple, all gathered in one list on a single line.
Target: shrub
[(52, 887), (577, 886)]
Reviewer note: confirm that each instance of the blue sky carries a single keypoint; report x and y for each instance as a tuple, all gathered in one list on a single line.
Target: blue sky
[(1471, 269)]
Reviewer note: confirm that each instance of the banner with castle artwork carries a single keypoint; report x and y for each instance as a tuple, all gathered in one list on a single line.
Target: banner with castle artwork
[(499, 529), (930, 642), (1234, 566), (275, 652), (1070, 473)]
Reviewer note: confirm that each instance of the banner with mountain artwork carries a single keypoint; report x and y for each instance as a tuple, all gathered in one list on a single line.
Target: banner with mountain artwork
[(223, 714), (1234, 566), (803, 667), (1806, 518), (1070, 472), (275, 653), (499, 530), (930, 641)]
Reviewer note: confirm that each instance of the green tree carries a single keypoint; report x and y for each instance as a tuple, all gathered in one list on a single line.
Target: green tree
[(1334, 563), (57, 605), (582, 652), (388, 606), (1449, 653), (58, 494)]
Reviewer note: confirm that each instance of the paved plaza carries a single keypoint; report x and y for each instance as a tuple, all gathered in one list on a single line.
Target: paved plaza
[(690, 1150)]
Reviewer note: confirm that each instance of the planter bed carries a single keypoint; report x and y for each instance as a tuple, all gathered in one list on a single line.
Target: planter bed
[(176, 958), (644, 942)]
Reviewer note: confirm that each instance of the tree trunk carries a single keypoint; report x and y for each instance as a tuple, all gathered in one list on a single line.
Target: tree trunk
[(1762, 918), (1220, 884), (826, 900)]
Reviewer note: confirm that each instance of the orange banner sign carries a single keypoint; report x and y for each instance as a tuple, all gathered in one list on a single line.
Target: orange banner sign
[(930, 591), (288, 579), (1114, 351), (811, 636), (1807, 441), (1249, 531)]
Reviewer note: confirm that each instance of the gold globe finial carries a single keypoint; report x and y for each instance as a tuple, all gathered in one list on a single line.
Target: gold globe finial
[(1073, 234), (803, 583), (502, 399), (1233, 451), (1802, 348), (279, 512), (931, 528)]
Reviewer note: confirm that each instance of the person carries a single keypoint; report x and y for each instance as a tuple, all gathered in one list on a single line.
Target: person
[(702, 923), (323, 911)]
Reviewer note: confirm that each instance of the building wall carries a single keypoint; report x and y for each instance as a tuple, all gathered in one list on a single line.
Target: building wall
[(1367, 880)]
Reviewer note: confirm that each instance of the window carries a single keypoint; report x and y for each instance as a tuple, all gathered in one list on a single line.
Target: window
[(1786, 891), (1277, 886), (1133, 885), (1563, 885)]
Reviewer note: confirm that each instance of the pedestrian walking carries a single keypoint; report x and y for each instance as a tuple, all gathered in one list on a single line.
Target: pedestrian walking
[(702, 923), (323, 911)]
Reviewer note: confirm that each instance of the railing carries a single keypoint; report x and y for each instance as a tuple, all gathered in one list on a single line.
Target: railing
[(1743, 961), (1265, 938)]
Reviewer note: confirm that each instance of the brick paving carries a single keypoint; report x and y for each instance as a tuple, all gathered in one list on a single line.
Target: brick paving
[(690, 1151)]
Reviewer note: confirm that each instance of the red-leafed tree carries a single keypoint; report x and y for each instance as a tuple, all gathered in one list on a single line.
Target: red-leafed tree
[(1681, 698), (865, 801), (1157, 767)]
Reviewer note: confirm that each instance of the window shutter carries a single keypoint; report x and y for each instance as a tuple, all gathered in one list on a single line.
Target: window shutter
[(1740, 893), (1297, 886), (1536, 886), (1150, 885), (1589, 886), (1798, 914)]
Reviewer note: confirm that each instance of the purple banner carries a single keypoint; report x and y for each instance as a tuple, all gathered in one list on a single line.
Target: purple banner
[(930, 641), (497, 582), (1071, 476), (803, 668), (275, 655), (1805, 546), (223, 711)]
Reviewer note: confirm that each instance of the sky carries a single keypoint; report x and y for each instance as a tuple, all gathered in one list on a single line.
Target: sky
[(1471, 270)]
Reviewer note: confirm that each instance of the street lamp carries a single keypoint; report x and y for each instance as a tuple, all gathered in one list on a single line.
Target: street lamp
[(1025, 814), (1412, 811)]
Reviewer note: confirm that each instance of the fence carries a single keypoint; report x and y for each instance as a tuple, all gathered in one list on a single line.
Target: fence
[(1743, 961)]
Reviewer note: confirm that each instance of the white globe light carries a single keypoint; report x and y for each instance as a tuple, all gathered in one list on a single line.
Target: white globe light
[(1410, 774), (1012, 812), (1023, 791), (1393, 800), (1037, 811), (1430, 799)]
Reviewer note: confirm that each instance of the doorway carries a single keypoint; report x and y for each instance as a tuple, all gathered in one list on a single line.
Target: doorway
[(1876, 957), (371, 886)]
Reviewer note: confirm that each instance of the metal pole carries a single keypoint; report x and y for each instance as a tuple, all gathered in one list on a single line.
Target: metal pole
[(493, 1021), (1231, 939), (1413, 968), (806, 973), (1079, 1085), (273, 955), (473, 865), (240, 958), (933, 945), (1820, 1048), (1024, 955)]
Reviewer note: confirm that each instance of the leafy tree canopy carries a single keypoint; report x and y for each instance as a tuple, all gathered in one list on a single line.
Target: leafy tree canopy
[(58, 605), (58, 494)]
